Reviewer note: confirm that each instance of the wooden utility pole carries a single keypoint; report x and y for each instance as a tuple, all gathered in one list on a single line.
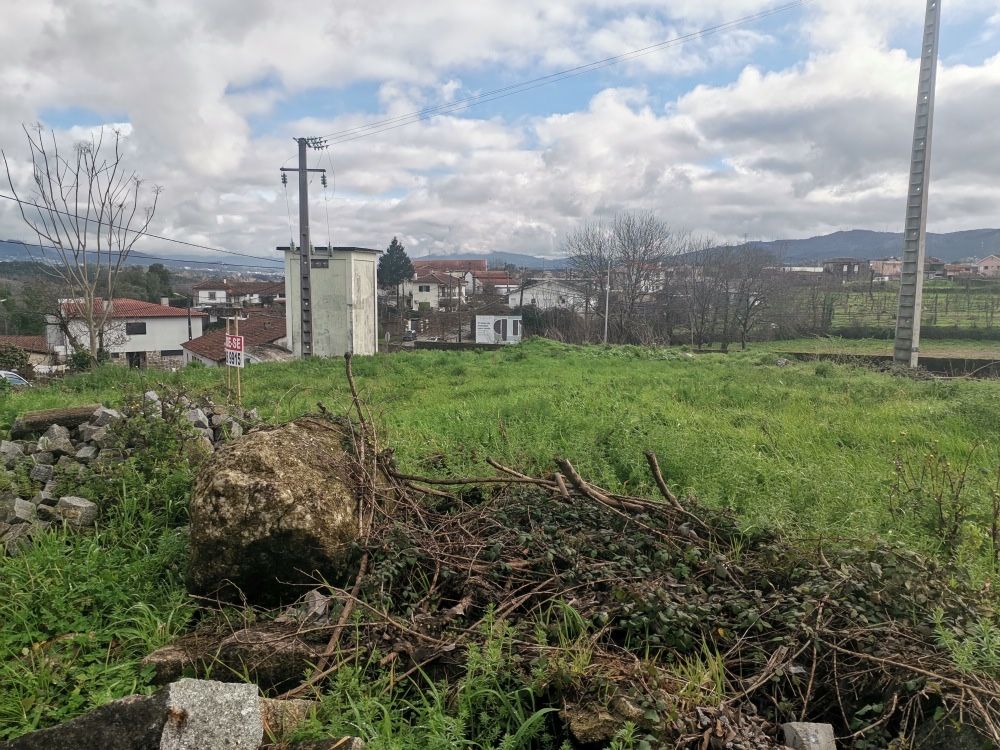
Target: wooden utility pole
[(906, 349)]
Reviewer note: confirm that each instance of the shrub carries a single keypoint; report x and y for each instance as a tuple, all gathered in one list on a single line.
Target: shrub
[(80, 360), (14, 358)]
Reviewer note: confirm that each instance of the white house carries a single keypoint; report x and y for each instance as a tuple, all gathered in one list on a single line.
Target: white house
[(434, 291), (546, 294), (139, 333), (490, 282), (989, 266), (224, 293)]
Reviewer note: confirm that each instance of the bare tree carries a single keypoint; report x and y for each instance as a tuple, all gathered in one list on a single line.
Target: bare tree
[(758, 278), (629, 250), (85, 211), (705, 279)]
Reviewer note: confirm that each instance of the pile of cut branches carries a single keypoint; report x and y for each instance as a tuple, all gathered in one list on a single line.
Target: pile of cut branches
[(691, 628)]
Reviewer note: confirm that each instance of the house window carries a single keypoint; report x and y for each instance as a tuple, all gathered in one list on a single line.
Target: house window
[(424, 288), (516, 327), (211, 295), (137, 328), (171, 352)]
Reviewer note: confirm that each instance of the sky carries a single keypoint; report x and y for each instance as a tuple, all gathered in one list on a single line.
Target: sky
[(791, 126)]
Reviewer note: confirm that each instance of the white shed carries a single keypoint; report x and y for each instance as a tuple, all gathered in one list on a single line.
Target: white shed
[(498, 329)]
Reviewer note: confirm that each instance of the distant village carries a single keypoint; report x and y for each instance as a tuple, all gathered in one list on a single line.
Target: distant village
[(447, 303)]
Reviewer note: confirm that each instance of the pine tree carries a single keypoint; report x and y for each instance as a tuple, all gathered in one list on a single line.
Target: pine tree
[(394, 267)]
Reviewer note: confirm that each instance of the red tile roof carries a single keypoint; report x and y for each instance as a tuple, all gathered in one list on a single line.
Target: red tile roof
[(124, 307), (449, 265), (28, 343), (256, 330)]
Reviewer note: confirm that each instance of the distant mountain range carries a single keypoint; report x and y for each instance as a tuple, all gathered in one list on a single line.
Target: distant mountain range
[(499, 259), (862, 243), (859, 243)]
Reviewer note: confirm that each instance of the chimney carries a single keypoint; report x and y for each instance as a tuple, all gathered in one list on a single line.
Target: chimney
[(165, 301)]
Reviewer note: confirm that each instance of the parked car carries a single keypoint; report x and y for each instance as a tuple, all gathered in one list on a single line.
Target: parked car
[(409, 336), (14, 379)]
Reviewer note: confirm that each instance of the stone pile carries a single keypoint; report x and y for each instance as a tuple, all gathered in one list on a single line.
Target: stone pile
[(31, 465)]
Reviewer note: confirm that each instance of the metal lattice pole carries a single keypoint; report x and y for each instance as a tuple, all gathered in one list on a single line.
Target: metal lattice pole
[(907, 346)]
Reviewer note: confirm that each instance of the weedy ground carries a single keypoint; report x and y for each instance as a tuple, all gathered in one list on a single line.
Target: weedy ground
[(811, 448)]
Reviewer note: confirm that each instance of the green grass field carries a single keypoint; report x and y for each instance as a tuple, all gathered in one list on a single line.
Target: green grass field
[(809, 447)]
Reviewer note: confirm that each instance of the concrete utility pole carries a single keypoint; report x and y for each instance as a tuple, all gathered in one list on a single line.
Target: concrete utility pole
[(907, 346), (607, 302), (305, 247)]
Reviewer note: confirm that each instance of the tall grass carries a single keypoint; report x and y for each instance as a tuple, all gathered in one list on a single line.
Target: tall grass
[(490, 707), (782, 446)]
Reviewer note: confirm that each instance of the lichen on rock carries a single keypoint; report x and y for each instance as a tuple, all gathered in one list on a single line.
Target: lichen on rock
[(273, 509)]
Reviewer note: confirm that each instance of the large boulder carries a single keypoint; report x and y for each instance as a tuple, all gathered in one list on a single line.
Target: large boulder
[(273, 509)]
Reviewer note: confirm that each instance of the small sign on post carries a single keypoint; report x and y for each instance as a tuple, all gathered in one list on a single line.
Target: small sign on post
[(234, 351)]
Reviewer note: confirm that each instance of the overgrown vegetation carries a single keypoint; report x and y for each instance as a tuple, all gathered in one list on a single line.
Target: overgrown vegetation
[(14, 358), (790, 448), (784, 447), (80, 610)]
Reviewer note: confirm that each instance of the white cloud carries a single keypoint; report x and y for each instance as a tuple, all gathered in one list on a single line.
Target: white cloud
[(819, 144)]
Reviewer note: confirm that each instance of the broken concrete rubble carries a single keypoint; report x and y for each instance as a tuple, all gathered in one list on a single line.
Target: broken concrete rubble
[(56, 440), (42, 473), (10, 453), (77, 511), (103, 416), (804, 736), (186, 715), (68, 441)]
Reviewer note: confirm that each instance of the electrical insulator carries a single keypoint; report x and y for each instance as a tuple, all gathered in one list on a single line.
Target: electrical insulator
[(322, 179), (284, 178)]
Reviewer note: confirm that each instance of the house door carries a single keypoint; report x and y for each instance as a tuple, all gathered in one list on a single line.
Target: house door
[(136, 360)]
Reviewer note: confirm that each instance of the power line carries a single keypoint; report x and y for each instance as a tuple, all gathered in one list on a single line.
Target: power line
[(391, 123), (17, 200)]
